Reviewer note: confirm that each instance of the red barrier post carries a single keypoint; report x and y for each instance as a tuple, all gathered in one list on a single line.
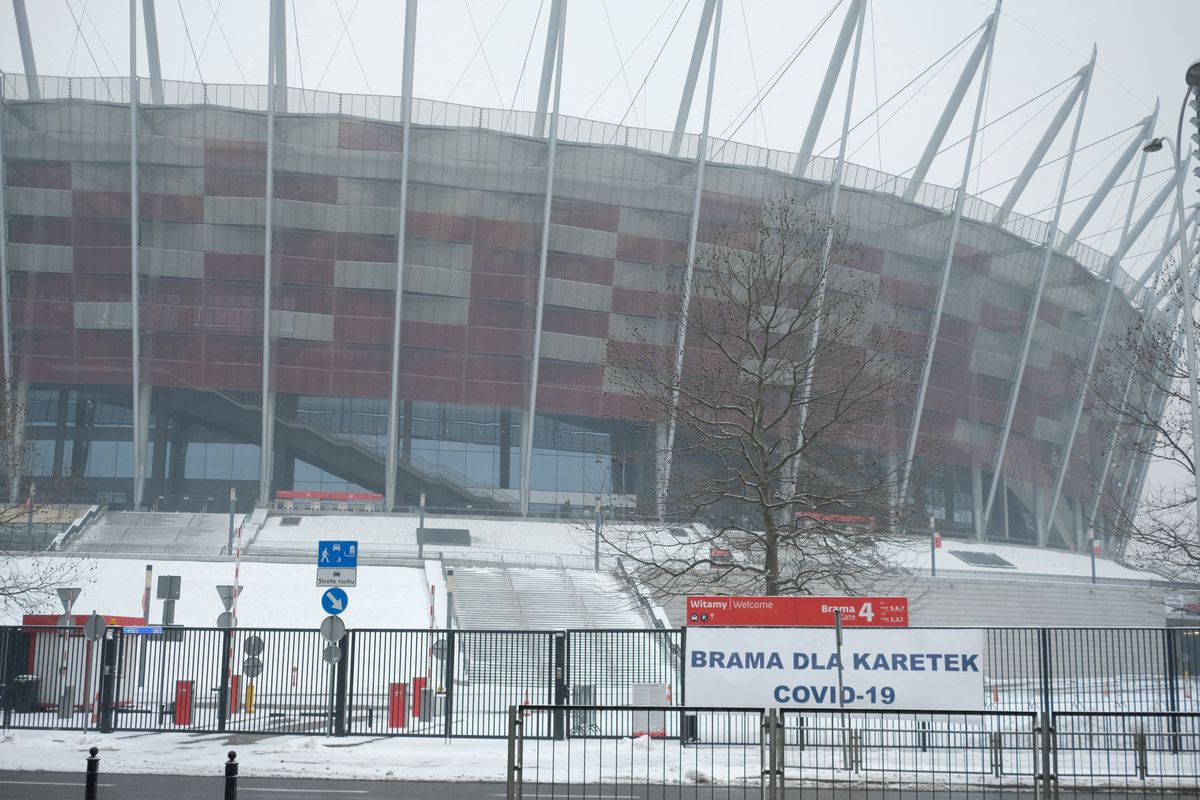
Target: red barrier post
[(418, 684), (183, 702), (235, 694), (397, 701)]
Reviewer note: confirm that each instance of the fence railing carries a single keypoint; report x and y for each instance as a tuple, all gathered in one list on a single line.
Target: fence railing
[(461, 682), (771, 754), (30, 537)]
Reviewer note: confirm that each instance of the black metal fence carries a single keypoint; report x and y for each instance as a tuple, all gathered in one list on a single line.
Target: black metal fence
[(760, 753), (461, 682)]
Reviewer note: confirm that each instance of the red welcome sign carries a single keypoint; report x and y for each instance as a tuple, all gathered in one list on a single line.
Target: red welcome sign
[(798, 612)]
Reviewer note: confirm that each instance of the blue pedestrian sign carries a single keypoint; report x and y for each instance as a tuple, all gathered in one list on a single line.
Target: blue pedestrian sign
[(337, 554), (334, 601)]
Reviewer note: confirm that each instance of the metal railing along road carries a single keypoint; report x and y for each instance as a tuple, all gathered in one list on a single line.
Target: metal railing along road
[(461, 682), (779, 754)]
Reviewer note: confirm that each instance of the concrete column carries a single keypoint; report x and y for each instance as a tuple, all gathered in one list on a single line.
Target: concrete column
[(267, 435), (26, 44), (977, 504), (689, 83), (135, 296), (663, 473), (391, 466), (151, 24), (547, 205), (6, 330), (141, 438)]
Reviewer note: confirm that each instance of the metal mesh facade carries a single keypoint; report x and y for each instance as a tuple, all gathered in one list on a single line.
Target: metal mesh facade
[(620, 211)]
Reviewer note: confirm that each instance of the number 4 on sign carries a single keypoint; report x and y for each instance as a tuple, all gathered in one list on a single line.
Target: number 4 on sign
[(867, 612)]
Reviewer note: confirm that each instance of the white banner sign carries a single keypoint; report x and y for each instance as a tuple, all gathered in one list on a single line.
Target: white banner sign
[(798, 668)]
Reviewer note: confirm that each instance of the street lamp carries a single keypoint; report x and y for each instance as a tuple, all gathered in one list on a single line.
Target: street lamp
[(1192, 78), (598, 520)]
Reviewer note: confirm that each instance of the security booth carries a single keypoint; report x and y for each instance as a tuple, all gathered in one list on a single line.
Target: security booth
[(54, 665)]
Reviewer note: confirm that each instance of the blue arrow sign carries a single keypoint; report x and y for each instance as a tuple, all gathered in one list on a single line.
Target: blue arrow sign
[(334, 601), (337, 554)]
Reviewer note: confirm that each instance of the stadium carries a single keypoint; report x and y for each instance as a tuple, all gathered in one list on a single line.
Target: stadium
[(151, 235)]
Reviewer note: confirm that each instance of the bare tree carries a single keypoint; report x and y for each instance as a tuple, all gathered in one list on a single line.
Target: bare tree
[(780, 414), (1140, 387), (28, 579)]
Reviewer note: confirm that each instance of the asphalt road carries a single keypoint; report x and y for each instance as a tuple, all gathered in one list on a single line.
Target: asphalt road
[(70, 786)]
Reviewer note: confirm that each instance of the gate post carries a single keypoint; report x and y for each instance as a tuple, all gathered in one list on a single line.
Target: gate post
[(1045, 739), (7, 644), (223, 690), (1172, 679), (560, 684), (448, 682), (1047, 670), (343, 675), (516, 752), (110, 651)]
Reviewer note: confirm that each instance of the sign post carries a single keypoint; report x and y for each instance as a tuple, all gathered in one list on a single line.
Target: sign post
[(332, 631), (66, 694), (337, 563)]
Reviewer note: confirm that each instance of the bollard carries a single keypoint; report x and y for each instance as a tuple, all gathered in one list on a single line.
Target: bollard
[(231, 776), (93, 774)]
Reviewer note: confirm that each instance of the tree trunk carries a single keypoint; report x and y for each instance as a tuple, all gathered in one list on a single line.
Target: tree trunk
[(771, 541)]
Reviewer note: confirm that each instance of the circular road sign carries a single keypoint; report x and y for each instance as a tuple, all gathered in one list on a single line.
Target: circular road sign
[(253, 646), (332, 629), (93, 629), (332, 654), (252, 667), (225, 620), (439, 649)]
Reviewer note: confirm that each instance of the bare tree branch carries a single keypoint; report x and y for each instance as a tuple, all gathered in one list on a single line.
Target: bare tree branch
[(776, 340)]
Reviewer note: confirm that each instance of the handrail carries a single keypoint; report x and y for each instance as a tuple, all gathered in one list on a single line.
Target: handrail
[(77, 527)]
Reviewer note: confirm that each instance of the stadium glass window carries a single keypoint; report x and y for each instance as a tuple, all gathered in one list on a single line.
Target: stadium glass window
[(110, 460), (40, 458), (309, 478)]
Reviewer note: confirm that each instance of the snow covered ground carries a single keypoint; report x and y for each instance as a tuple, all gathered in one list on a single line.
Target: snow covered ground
[(634, 762), (273, 595), (258, 756)]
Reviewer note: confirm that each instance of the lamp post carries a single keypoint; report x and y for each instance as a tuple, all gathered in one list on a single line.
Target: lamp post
[(598, 519), (1192, 78), (1092, 551), (421, 530), (932, 548)]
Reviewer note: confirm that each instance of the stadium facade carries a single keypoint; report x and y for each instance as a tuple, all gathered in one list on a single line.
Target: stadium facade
[(298, 212)]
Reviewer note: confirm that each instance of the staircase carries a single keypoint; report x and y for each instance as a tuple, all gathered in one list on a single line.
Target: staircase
[(148, 532), (608, 629)]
